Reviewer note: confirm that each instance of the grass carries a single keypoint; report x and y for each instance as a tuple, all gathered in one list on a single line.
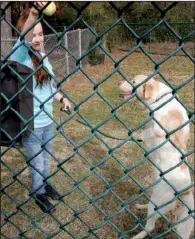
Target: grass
[(87, 168)]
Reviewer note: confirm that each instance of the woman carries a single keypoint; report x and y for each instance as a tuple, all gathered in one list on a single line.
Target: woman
[(39, 156)]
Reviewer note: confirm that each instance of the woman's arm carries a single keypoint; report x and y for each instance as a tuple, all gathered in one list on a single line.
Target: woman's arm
[(33, 16), (63, 100), (21, 53), (58, 96)]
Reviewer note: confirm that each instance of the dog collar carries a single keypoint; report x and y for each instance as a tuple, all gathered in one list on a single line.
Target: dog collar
[(162, 96)]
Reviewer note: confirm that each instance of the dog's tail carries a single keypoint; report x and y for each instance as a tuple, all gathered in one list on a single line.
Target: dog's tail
[(185, 228)]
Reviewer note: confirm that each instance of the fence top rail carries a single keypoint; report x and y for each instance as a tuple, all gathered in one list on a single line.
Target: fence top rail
[(154, 23), (47, 35), (134, 23), (9, 39), (76, 30)]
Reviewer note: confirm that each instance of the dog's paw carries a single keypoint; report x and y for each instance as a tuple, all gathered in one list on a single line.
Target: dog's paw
[(174, 217), (136, 135), (136, 237), (141, 206)]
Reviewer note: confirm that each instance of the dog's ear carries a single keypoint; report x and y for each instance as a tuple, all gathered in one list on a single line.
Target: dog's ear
[(148, 90)]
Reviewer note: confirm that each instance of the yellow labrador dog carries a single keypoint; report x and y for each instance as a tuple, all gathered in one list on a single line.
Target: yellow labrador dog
[(171, 116)]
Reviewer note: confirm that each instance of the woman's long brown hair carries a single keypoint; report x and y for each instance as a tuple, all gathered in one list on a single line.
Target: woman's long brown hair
[(41, 75)]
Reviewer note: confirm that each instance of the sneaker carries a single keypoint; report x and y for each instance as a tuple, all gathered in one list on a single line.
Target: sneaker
[(44, 204), (52, 193)]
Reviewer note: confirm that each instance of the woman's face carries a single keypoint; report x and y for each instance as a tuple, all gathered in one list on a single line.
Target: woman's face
[(38, 38)]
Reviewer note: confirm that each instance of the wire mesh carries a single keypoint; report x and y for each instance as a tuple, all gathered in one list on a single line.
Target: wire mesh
[(79, 220)]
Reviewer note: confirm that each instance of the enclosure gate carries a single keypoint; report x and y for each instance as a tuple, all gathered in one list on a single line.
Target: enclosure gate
[(96, 133)]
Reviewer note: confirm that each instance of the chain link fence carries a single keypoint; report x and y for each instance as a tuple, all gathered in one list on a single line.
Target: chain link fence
[(75, 41), (92, 206)]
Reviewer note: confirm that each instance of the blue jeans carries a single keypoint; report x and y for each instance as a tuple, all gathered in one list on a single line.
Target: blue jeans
[(39, 158)]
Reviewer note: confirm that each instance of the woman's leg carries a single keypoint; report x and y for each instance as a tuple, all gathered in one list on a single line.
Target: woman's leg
[(36, 160), (36, 157), (47, 153)]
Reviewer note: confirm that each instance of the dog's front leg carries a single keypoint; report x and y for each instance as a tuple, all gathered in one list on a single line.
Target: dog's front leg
[(152, 133), (150, 225), (146, 134)]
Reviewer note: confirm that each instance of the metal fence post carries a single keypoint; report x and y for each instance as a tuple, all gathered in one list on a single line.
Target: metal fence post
[(80, 46), (66, 55), (150, 44)]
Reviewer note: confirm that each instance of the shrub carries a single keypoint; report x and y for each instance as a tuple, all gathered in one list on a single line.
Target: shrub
[(111, 40), (93, 55)]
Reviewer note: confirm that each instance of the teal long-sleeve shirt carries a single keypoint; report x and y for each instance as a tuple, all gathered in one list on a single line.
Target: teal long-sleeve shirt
[(41, 95)]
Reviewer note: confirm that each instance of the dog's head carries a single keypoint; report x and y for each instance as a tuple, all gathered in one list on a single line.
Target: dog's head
[(147, 91)]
